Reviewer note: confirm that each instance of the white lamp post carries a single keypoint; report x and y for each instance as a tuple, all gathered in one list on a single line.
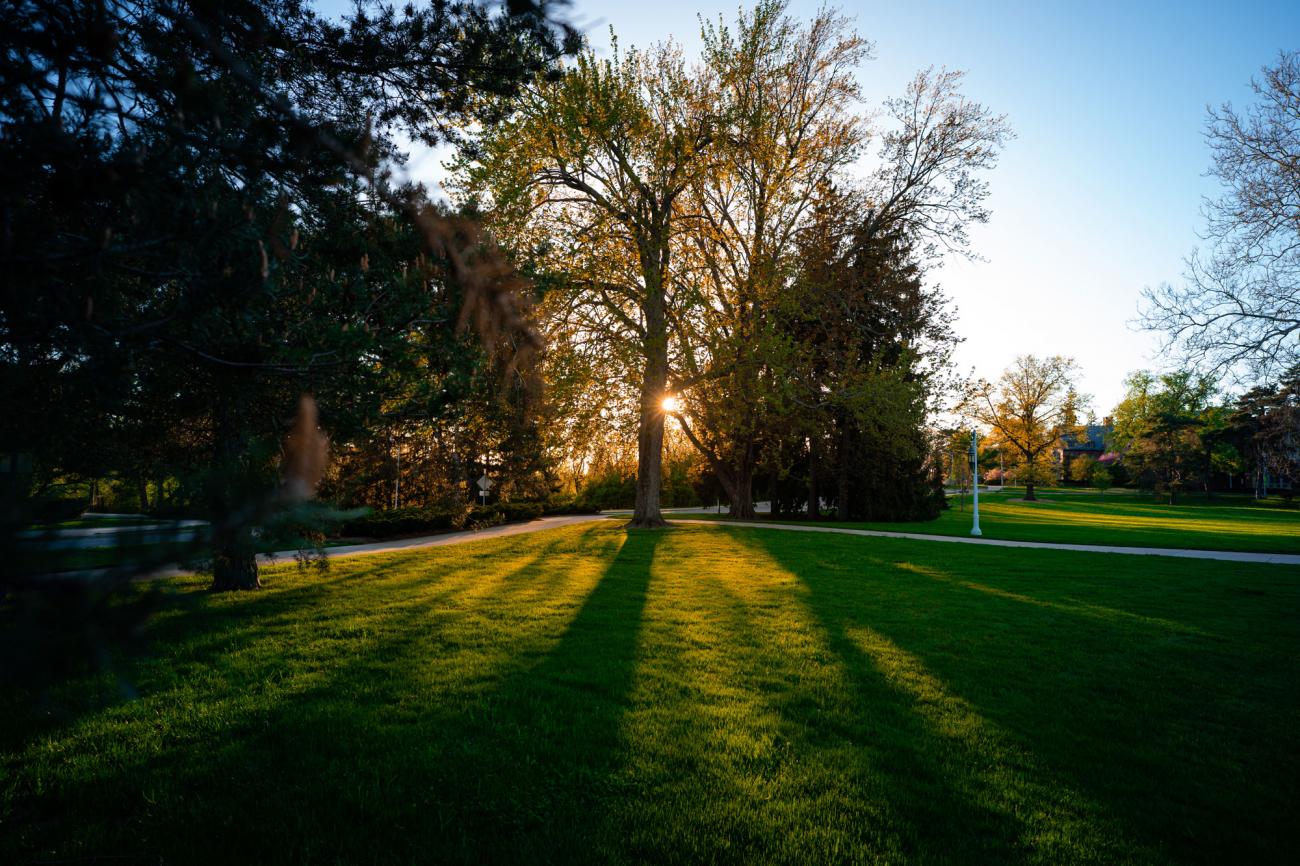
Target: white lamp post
[(975, 480)]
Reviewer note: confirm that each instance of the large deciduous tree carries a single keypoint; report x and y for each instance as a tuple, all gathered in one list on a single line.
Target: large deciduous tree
[(784, 93), (1031, 406), (1237, 310), (669, 202), (587, 179), (789, 102)]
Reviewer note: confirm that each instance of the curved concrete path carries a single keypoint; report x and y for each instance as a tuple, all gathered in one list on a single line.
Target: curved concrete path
[(394, 545), (1225, 555), (400, 544), (544, 523)]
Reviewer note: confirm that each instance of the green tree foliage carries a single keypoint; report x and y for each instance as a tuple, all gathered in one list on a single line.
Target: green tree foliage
[(586, 178), (783, 155), (668, 201), (1166, 426), (429, 452), (200, 225), (870, 341), (783, 92), (1264, 431), (1082, 468)]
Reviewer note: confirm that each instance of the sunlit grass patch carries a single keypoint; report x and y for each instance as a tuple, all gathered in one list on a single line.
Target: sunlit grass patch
[(1126, 521)]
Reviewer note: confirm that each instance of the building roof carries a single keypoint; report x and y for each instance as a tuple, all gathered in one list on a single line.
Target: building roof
[(1091, 438)]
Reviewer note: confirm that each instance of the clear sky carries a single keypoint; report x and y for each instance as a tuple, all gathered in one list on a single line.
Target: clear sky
[(1099, 194)]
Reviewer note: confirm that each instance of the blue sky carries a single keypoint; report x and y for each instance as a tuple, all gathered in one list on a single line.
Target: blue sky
[(1099, 194)]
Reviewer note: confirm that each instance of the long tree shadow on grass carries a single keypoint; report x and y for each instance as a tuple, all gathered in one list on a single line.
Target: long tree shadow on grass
[(930, 775), (515, 771), (870, 779), (1122, 731), (454, 731), (196, 632), (546, 748)]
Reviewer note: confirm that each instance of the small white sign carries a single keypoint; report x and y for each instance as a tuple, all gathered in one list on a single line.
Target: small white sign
[(485, 484)]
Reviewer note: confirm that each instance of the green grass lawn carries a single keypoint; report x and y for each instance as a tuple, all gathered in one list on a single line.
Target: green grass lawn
[(1125, 520), (702, 694)]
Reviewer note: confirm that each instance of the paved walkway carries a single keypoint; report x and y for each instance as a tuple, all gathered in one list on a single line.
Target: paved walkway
[(544, 523), (107, 536), (1226, 555), (396, 545), (574, 519), (399, 544)]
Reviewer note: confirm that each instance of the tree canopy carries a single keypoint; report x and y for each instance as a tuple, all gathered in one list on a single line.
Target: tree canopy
[(1237, 311), (1166, 426), (201, 223), (1031, 406), (669, 200)]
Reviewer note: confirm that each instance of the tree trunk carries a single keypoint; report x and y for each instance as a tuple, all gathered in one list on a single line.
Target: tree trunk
[(142, 486), (1209, 474), (842, 476), (741, 491), (234, 559), (1029, 490), (814, 489), (649, 467), (234, 562), (654, 387)]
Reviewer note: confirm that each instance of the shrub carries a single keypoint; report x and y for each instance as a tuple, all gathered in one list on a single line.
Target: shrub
[(1081, 469), (419, 521), (509, 511), (404, 521), (57, 510), (677, 490), (610, 491), (564, 503)]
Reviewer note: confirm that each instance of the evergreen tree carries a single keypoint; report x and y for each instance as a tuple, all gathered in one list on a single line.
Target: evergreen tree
[(872, 341), (199, 224)]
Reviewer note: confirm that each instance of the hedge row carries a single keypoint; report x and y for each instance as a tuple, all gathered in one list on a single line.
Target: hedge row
[(563, 503), (419, 521)]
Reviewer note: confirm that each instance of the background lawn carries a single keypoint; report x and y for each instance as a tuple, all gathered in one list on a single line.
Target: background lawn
[(702, 694), (1224, 523)]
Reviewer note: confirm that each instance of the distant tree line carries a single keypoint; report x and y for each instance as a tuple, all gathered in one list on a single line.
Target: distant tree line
[(1172, 432), (1176, 434)]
